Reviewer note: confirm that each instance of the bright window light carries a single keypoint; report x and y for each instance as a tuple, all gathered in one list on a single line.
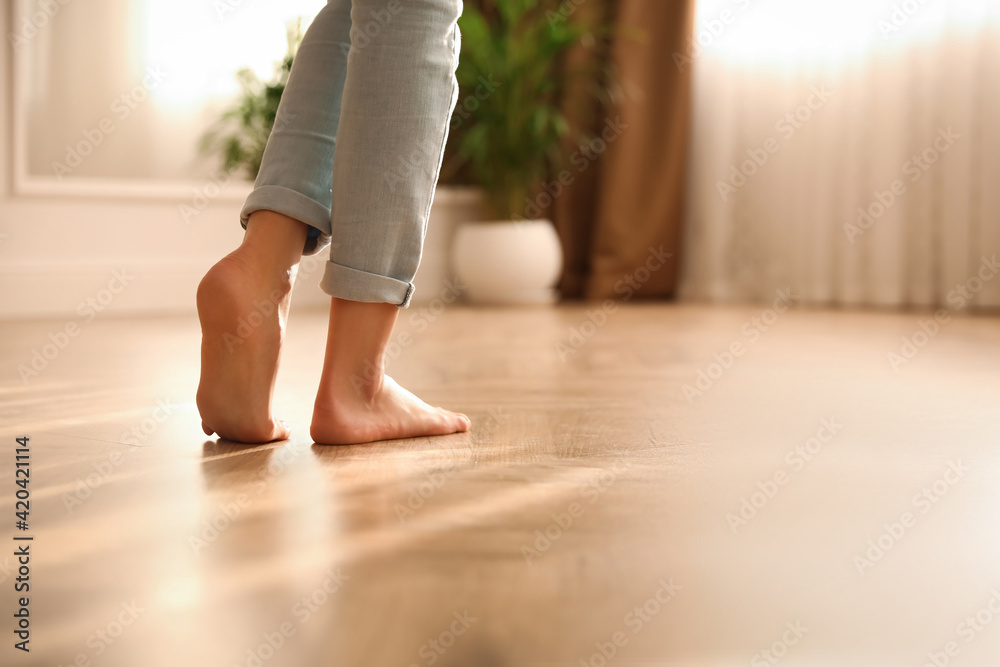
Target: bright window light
[(200, 45), (771, 31)]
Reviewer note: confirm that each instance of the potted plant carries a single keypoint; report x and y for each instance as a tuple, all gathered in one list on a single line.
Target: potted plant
[(512, 134)]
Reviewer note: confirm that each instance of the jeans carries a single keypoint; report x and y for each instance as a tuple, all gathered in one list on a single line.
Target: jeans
[(357, 144)]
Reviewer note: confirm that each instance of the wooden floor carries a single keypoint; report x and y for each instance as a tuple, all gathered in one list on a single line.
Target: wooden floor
[(810, 506)]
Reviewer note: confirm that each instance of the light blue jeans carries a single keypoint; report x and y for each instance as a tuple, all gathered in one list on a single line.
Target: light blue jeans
[(357, 143)]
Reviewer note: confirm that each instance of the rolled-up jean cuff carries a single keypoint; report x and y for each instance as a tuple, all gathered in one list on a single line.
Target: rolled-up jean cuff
[(344, 282), (295, 205)]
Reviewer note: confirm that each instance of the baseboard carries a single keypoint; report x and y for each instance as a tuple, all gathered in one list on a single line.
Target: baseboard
[(39, 290), (40, 287)]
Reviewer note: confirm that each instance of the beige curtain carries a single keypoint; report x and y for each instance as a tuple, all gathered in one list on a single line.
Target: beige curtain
[(629, 198), (882, 187)]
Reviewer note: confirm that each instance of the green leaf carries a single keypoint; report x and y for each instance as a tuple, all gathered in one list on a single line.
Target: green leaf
[(512, 137)]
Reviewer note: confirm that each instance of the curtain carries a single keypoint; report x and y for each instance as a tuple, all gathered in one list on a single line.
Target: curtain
[(624, 209), (848, 151)]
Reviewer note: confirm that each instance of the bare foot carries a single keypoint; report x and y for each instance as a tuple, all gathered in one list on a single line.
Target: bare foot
[(243, 304), (356, 401), (392, 412)]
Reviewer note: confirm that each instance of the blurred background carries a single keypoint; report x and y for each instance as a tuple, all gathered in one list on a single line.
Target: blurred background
[(836, 154), (847, 151)]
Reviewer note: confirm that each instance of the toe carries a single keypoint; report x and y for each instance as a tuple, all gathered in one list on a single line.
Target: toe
[(456, 421), (206, 429), (281, 430)]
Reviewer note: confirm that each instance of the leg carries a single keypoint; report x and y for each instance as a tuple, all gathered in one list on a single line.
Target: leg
[(297, 166), (243, 300), (398, 98)]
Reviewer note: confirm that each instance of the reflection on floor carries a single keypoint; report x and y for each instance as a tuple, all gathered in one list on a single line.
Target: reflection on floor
[(661, 485)]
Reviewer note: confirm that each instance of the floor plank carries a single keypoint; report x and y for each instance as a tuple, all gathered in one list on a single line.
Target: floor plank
[(599, 476)]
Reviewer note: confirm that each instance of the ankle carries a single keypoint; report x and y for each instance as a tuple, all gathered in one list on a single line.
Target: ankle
[(357, 340), (354, 384), (368, 380), (263, 269), (274, 240)]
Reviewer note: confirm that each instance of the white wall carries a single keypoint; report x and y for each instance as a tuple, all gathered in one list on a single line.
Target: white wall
[(56, 252)]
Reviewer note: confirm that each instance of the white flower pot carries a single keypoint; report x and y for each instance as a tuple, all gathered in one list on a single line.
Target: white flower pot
[(508, 262), (452, 206)]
